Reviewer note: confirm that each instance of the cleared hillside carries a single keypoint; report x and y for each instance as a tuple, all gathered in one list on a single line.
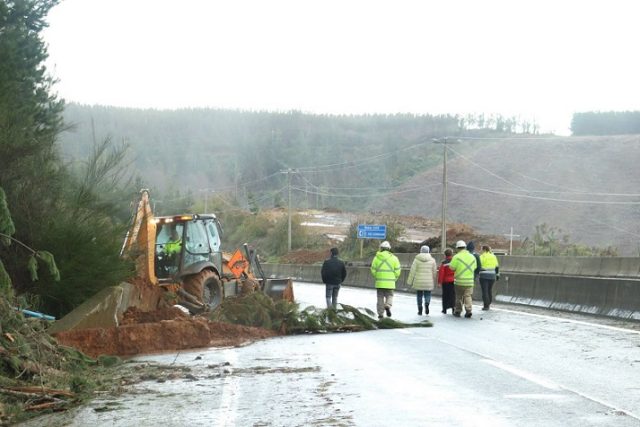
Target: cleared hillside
[(585, 186), (589, 187)]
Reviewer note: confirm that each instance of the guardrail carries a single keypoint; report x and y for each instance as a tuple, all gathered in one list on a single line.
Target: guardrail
[(600, 286)]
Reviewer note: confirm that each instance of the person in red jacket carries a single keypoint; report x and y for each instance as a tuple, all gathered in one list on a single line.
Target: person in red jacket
[(445, 280)]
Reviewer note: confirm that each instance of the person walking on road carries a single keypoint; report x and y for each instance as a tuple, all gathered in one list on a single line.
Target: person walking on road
[(333, 273), (422, 278), (446, 279), (471, 247), (489, 274), (385, 269), (463, 265)]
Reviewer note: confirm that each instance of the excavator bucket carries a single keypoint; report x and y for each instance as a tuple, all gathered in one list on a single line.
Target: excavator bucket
[(278, 289)]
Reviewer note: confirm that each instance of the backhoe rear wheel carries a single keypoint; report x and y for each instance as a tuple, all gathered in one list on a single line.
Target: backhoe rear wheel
[(207, 287)]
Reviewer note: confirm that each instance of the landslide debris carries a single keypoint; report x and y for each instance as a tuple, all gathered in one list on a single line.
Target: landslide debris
[(286, 317), (159, 330), (40, 373), (36, 373)]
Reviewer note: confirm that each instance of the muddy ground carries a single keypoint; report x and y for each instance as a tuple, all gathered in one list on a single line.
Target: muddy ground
[(158, 331)]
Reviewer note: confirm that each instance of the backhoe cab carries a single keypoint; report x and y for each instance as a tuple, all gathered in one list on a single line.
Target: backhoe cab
[(187, 251)]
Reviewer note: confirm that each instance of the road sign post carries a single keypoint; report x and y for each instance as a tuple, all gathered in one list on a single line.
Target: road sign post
[(371, 232)]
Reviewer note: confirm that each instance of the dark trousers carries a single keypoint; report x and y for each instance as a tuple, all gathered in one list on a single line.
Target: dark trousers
[(448, 296), (332, 295), (487, 291)]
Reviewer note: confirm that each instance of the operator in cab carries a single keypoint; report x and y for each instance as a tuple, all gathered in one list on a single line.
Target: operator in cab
[(174, 245)]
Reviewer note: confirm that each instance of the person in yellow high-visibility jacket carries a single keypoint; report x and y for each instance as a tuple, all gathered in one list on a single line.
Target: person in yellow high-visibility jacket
[(174, 245), (385, 269), (463, 265), (489, 274)]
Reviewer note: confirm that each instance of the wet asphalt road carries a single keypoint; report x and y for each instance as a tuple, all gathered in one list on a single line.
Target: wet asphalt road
[(505, 367)]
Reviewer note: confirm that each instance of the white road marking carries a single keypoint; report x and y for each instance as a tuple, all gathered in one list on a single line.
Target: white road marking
[(230, 394), (524, 374), (536, 396), (565, 320), (553, 386), (603, 403)]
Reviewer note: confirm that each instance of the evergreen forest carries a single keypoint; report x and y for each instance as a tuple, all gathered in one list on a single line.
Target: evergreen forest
[(332, 161), (606, 123)]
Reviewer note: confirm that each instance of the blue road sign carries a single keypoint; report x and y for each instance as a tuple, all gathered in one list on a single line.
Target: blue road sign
[(372, 231)]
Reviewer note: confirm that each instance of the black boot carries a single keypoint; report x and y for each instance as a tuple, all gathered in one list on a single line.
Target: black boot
[(426, 309), (419, 310)]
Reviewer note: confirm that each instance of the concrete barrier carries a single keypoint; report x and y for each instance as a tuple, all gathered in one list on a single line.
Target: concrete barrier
[(590, 285)]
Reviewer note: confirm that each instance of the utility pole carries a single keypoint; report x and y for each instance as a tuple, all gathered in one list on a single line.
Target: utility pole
[(289, 171), (206, 199), (443, 243), (511, 236), (443, 232), (289, 222)]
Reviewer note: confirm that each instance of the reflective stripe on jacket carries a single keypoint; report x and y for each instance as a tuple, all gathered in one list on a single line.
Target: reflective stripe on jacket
[(463, 264), (489, 265), (385, 269)]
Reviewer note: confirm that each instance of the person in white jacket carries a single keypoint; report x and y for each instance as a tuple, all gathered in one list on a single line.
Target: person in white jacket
[(422, 278)]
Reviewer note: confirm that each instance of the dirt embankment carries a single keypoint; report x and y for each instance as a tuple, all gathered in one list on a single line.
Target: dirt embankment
[(157, 331)]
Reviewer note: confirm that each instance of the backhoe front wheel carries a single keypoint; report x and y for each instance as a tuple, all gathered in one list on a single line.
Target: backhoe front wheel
[(207, 287)]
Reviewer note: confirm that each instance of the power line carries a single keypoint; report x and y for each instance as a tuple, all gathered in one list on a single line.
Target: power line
[(574, 191), (487, 170), (326, 188), (407, 190), (359, 162), (244, 184), (509, 138), (592, 220), (542, 182), (526, 196), (233, 208)]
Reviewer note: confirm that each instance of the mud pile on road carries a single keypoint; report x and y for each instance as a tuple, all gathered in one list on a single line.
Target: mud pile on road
[(305, 256), (157, 331)]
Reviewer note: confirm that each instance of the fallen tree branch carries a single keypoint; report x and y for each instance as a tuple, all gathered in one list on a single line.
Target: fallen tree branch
[(34, 392), (42, 390), (55, 404)]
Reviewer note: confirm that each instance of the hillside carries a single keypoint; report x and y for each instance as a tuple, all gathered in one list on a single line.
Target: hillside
[(585, 186), (581, 187)]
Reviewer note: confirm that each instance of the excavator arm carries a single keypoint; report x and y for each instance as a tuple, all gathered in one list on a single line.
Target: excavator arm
[(140, 240)]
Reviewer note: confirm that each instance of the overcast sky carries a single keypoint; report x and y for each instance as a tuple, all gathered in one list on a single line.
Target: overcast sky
[(542, 59)]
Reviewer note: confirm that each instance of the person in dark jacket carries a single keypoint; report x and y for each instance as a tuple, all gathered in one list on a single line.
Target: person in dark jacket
[(333, 274), (471, 247)]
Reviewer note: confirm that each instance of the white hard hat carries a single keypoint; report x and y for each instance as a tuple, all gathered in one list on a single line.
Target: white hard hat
[(461, 244), (385, 245)]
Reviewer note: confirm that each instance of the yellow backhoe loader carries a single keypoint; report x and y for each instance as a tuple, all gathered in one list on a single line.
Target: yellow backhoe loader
[(183, 255)]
